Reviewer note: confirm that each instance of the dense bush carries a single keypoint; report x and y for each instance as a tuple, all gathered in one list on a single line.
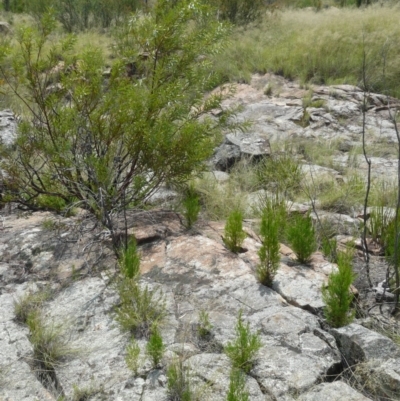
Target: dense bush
[(119, 138)]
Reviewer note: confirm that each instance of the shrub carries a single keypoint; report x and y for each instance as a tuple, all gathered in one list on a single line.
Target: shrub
[(243, 349), (269, 251), (110, 147), (301, 237), (337, 295), (140, 308), (155, 347), (191, 206), (179, 383), (132, 357), (237, 383), (129, 260), (233, 233)]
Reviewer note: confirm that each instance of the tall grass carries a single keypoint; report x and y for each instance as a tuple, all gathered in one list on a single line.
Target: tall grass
[(323, 47)]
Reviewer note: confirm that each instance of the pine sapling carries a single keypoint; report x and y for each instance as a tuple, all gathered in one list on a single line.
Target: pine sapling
[(269, 251), (337, 295), (234, 234), (245, 346), (301, 237)]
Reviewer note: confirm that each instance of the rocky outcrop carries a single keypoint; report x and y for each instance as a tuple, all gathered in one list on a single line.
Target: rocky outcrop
[(195, 272)]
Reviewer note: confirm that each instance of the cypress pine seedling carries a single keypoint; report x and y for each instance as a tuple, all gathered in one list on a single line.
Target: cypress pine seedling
[(337, 295), (234, 234), (301, 237), (269, 251)]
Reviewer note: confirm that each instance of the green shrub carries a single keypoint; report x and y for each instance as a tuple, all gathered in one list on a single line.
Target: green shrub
[(269, 251), (155, 347), (301, 237), (132, 357), (242, 350), (237, 383), (140, 308), (233, 233), (129, 260), (337, 295), (191, 205), (179, 383), (107, 164)]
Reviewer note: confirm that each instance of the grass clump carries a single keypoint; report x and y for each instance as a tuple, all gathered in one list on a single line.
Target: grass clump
[(237, 390), (179, 386), (204, 328), (233, 233), (29, 304), (191, 206), (243, 349), (48, 341), (301, 237), (269, 251), (337, 295), (281, 174)]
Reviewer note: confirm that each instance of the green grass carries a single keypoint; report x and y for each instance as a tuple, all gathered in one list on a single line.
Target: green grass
[(323, 47)]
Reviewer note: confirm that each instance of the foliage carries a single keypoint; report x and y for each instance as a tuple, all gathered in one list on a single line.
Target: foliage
[(233, 233), (237, 383), (389, 240), (140, 307), (322, 48), (301, 237), (106, 142), (205, 325), (329, 248), (155, 347), (281, 174), (239, 11), (29, 303), (79, 14), (179, 383), (378, 223), (83, 393), (243, 349), (129, 260), (49, 344), (343, 197), (337, 295), (132, 357), (191, 206), (269, 251)]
